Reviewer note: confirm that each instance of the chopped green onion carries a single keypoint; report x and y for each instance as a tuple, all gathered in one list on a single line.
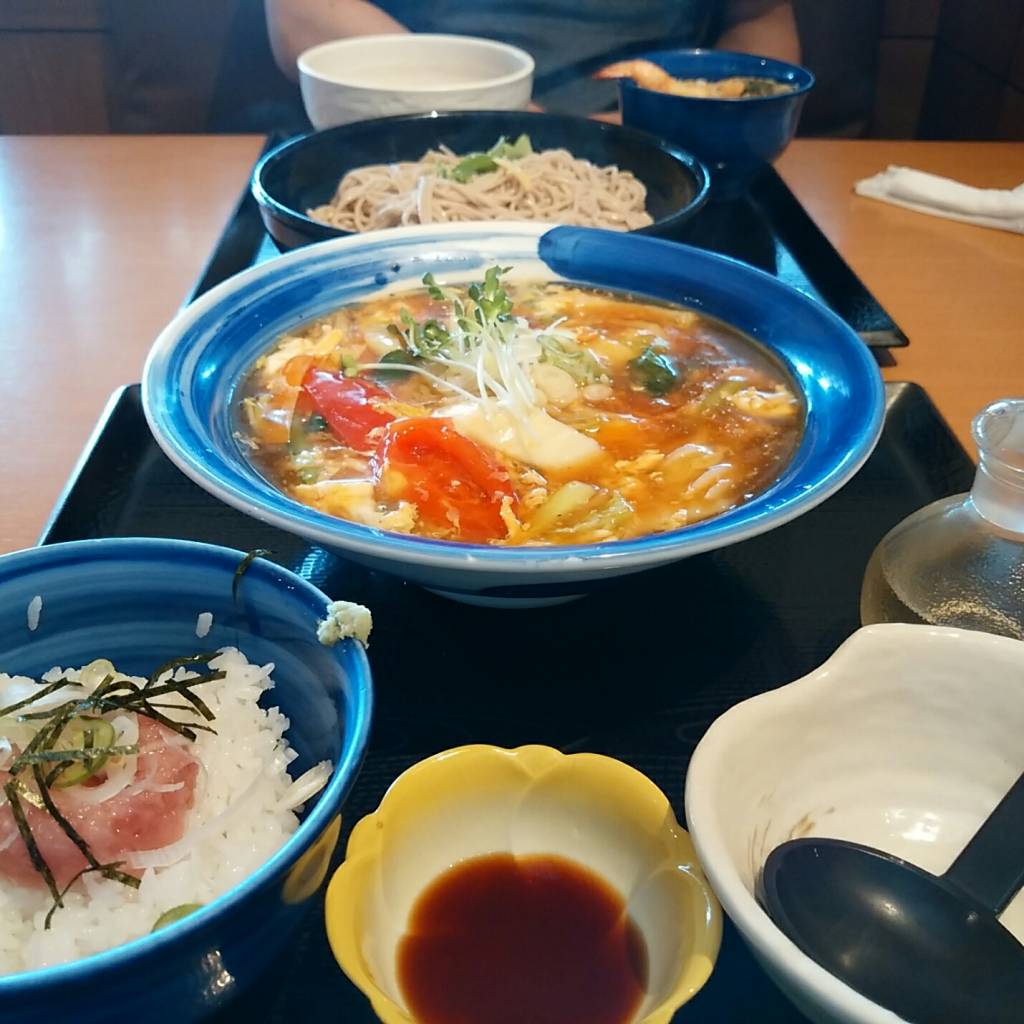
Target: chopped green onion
[(505, 150), (175, 914), (470, 166), (89, 742)]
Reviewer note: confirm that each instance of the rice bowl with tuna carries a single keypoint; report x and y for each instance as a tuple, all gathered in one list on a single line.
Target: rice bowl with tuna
[(133, 811)]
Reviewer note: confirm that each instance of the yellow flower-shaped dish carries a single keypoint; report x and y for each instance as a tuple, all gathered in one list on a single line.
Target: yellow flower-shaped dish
[(479, 800)]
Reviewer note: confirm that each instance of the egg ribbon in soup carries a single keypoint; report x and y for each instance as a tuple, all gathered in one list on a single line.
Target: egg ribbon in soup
[(518, 413)]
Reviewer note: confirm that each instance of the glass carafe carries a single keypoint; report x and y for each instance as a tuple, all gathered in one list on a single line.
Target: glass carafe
[(960, 561)]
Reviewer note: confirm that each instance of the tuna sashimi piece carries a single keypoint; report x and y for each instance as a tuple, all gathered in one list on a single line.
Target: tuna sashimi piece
[(131, 820)]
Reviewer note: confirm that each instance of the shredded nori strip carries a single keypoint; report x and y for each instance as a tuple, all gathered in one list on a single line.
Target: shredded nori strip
[(137, 700), (176, 663), (47, 735), (44, 692), (57, 904), (243, 565), (38, 861), (108, 870), (79, 754), (27, 795)]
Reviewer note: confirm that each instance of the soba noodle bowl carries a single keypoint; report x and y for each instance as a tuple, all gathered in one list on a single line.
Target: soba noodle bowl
[(501, 184)]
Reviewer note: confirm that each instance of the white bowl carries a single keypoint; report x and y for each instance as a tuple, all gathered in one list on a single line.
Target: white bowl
[(409, 73), (905, 740)]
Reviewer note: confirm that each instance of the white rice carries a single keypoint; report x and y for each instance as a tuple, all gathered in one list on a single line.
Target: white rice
[(34, 610), (203, 624), (247, 760)]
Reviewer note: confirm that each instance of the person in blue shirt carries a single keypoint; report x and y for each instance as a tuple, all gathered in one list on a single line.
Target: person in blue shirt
[(569, 39)]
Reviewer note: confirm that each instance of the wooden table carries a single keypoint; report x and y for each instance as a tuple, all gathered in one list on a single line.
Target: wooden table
[(101, 237)]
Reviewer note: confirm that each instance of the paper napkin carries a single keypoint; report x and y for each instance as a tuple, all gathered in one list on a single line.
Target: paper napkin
[(944, 197)]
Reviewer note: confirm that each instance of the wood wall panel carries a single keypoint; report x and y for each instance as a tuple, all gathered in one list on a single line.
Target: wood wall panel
[(1011, 114), (61, 15), (962, 100), (902, 77), (911, 17), (983, 30), (1017, 66), (53, 83)]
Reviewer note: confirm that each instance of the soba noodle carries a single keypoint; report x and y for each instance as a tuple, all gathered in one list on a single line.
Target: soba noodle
[(549, 186)]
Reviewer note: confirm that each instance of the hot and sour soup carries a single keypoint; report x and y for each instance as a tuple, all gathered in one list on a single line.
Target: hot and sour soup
[(518, 412)]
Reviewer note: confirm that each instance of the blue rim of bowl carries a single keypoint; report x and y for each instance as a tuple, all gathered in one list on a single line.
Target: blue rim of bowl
[(270, 505), (802, 78), (329, 802), (297, 219)]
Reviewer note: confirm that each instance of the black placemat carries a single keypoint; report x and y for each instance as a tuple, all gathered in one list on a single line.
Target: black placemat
[(767, 228), (638, 670)]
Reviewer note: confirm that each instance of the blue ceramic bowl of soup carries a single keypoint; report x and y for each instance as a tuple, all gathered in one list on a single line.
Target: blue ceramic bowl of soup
[(135, 602), (194, 381), (736, 138), (304, 172)]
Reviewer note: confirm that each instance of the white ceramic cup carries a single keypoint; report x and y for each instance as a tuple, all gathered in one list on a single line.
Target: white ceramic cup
[(377, 76)]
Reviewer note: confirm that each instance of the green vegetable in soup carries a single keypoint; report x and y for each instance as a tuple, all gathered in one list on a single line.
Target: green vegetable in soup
[(656, 371), (577, 508), (400, 360), (567, 501), (719, 393), (577, 361), (421, 339), (433, 287), (492, 301)]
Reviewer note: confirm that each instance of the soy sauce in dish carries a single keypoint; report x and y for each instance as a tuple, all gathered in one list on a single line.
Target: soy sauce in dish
[(541, 939)]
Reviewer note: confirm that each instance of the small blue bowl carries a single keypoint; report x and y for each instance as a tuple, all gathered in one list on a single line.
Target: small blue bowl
[(735, 138), (135, 602), (304, 172), (194, 372)]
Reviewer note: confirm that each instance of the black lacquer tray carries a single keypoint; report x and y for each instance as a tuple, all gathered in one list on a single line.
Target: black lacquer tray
[(767, 228), (637, 671)]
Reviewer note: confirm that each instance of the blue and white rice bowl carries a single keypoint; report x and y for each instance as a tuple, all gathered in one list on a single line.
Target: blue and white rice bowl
[(139, 602), (197, 366)]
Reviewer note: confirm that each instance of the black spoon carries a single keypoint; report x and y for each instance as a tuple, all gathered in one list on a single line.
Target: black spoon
[(928, 947)]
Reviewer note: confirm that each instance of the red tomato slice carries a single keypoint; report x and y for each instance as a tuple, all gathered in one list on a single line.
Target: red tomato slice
[(452, 481), (346, 404)]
